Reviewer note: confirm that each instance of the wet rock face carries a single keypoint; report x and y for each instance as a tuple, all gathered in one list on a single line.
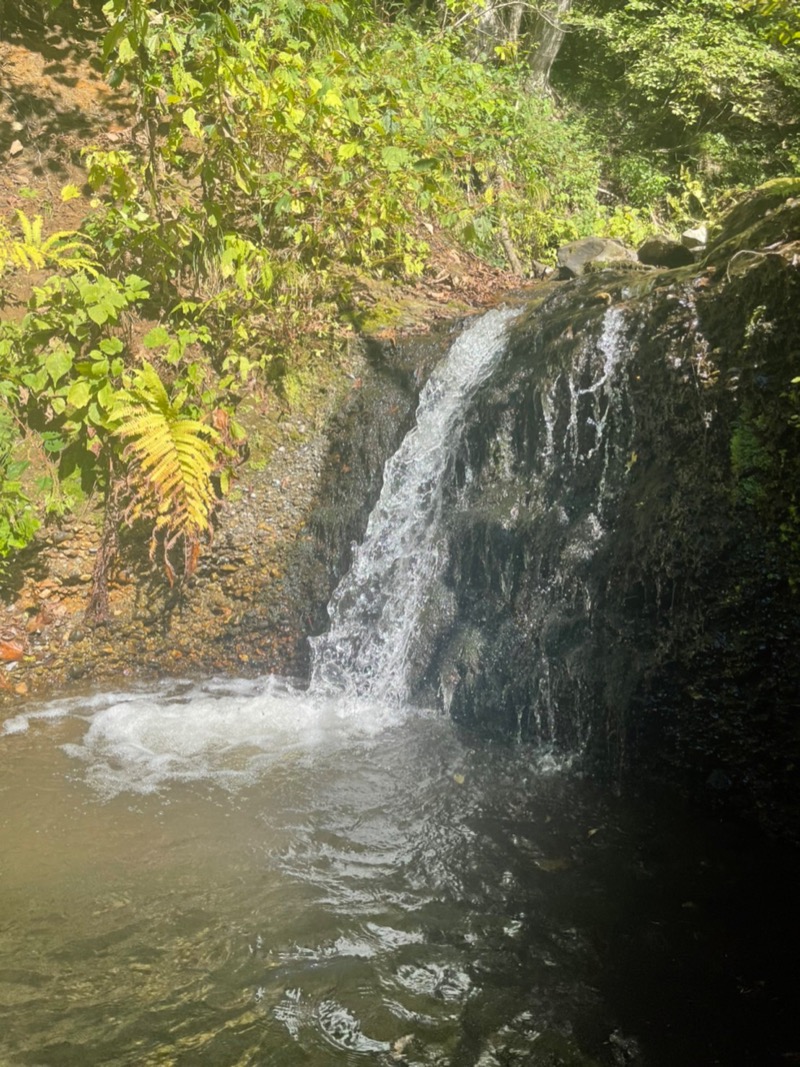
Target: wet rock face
[(362, 436), (623, 551)]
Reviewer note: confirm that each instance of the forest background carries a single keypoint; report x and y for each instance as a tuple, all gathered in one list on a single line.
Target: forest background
[(282, 159)]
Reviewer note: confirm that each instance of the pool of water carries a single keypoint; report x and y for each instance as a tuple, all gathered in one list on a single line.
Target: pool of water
[(245, 874)]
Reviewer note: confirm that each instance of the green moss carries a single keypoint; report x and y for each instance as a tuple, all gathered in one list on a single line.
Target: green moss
[(769, 213), (751, 463)]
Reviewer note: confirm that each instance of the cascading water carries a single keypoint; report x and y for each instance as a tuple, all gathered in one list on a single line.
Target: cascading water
[(376, 608), (534, 512)]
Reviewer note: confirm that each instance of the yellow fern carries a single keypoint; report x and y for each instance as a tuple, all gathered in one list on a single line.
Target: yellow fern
[(171, 459), (65, 250)]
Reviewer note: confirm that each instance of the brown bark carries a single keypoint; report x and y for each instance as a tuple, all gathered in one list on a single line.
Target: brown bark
[(97, 610)]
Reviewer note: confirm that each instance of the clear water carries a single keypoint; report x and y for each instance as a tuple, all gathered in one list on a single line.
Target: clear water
[(237, 874), (232, 872)]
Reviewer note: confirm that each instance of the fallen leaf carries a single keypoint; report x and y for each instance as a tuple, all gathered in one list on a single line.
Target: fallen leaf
[(11, 651)]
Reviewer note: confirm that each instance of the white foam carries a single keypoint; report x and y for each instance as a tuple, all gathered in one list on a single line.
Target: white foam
[(227, 731)]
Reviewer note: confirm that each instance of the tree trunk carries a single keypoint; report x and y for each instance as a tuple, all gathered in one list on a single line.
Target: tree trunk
[(498, 22), (544, 40), (97, 610), (489, 30)]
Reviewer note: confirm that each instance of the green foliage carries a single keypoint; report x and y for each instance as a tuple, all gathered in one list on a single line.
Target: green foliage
[(326, 141), (18, 521), (63, 362), (628, 224), (750, 461), (779, 20), (692, 96), (71, 381)]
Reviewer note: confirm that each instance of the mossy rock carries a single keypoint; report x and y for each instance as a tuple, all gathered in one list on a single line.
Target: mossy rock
[(770, 213)]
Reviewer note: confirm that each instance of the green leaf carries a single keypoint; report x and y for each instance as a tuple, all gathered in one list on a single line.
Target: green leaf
[(58, 364), (52, 442), (112, 38), (16, 468), (125, 51), (157, 337), (35, 381), (240, 181), (136, 288), (347, 151), (106, 397), (191, 123), (394, 158), (98, 313), (79, 394), (99, 369)]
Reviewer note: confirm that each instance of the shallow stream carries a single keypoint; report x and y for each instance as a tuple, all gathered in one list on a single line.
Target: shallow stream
[(242, 874)]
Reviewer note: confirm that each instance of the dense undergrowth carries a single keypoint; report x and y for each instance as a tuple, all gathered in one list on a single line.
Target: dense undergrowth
[(695, 99), (281, 152)]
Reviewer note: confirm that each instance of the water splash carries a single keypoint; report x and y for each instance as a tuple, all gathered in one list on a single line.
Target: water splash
[(375, 610)]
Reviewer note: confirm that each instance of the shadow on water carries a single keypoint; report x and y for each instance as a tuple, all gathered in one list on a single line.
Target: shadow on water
[(663, 937), (236, 873)]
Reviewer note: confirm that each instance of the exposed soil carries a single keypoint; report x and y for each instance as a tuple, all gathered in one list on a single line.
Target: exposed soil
[(54, 103)]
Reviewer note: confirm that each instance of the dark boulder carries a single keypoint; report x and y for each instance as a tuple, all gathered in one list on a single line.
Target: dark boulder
[(663, 251)]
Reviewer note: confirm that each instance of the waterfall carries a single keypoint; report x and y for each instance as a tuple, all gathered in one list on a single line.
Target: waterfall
[(376, 608), (546, 454)]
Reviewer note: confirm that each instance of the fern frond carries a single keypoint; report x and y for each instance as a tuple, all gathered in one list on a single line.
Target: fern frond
[(65, 250), (172, 457)]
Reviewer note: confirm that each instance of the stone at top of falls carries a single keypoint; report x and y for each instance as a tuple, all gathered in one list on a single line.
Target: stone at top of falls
[(661, 251), (695, 238), (579, 256)]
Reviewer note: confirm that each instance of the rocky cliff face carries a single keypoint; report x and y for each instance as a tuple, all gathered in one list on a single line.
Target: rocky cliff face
[(625, 541)]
